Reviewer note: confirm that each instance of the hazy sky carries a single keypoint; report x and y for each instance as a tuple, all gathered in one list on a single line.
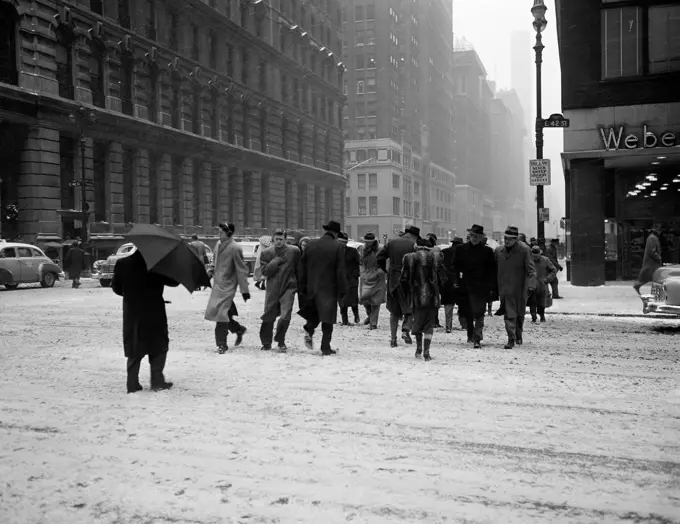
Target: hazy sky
[(487, 25)]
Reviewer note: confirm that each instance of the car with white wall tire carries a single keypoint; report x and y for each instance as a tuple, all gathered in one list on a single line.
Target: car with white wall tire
[(26, 264)]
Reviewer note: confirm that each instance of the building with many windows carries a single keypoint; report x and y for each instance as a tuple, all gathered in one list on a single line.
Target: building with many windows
[(620, 77), (399, 100), (181, 113)]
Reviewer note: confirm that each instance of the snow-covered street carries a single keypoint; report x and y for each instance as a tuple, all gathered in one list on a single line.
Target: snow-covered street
[(581, 424)]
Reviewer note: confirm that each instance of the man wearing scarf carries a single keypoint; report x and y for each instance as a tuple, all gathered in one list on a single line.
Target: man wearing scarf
[(423, 275), (279, 264), (398, 297), (516, 281)]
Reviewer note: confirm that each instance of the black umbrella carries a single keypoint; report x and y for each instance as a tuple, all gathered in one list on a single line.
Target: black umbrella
[(167, 254)]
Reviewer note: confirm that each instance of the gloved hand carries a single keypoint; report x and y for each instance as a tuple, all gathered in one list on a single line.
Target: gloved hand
[(246, 297)]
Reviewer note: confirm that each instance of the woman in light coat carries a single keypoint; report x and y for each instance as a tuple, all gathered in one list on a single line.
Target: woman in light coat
[(230, 274), (373, 283)]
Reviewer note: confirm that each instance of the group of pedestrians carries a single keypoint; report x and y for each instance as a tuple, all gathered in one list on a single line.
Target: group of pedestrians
[(410, 274)]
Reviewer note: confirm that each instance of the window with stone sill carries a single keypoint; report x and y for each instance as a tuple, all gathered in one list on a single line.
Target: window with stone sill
[(361, 181), (126, 83), (373, 205), (124, 13), (150, 19), (173, 31), (373, 181), (64, 63), (362, 206)]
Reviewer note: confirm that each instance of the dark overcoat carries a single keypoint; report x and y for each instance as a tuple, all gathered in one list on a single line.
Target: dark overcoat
[(352, 269), (145, 324), (75, 262), (450, 295), (422, 274), (546, 272), (398, 301), (475, 275), (516, 274), (323, 281)]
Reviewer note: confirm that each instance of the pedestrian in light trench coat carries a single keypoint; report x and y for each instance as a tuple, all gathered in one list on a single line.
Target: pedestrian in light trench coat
[(230, 274), (280, 265), (322, 284), (352, 263), (652, 259), (516, 280), (145, 324), (545, 273), (373, 282)]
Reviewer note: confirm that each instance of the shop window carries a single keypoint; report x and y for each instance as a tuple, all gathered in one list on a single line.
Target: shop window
[(126, 81), (664, 39), (124, 13), (64, 60), (8, 48), (97, 74)]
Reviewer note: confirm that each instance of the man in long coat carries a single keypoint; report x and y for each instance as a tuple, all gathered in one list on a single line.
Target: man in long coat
[(398, 303), (422, 274), (279, 264), (230, 274), (516, 280), (475, 274), (552, 253), (322, 284), (452, 296), (652, 258), (352, 270), (145, 324), (546, 272), (75, 264)]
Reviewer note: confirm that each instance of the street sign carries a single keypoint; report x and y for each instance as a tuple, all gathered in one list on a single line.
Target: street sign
[(539, 172), (556, 120), (544, 214)]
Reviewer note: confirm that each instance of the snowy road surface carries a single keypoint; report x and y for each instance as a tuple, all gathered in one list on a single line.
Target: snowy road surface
[(581, 424)]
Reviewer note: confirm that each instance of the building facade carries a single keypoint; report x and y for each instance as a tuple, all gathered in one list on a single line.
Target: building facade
[(620, 72), (399, 90), (188, 113)]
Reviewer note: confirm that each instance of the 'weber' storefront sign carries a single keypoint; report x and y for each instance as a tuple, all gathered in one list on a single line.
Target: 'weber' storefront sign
[(614, 139)]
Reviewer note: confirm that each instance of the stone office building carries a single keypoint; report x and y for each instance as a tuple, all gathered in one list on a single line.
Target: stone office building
[(189, 113), (620, 77)]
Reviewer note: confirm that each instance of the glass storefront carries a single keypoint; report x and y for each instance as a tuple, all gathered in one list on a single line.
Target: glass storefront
[(642, 200)]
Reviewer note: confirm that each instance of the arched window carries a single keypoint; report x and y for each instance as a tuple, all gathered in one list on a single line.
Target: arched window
[(64, 60), (8, 44)]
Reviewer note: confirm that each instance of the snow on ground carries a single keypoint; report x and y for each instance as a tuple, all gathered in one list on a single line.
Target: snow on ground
[(581, 424)]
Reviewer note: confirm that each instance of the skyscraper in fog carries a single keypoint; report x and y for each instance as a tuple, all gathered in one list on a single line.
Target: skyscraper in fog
[(522, 79)]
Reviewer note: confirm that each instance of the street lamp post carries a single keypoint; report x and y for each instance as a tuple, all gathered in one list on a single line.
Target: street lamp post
[(83, 118), (538, 10)]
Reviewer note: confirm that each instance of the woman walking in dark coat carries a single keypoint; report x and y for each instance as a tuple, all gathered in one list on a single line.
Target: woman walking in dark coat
[(352, 263), (145, 324), (75, 264)]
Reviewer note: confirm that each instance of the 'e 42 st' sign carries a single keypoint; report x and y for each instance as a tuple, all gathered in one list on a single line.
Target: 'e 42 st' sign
[(614, 139)]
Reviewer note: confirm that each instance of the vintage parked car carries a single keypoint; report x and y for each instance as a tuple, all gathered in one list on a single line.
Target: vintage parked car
[(105, 273), (26, 264), (665, 296), (249, 253)]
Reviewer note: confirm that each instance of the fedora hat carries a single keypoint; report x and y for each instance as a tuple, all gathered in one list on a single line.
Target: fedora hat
[(512, 232), (415, 231), (369, 237), (333, 227), (476, 229), (536, 250)]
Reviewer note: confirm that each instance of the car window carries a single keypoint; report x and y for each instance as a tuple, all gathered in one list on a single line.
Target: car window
[(24, 252), (8, 252), (38, 253)]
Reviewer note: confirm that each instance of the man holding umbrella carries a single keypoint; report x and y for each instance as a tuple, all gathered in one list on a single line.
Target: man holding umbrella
[(160, 259)]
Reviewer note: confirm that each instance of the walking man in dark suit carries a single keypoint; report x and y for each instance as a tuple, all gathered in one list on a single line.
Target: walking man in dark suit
[(322, 284)]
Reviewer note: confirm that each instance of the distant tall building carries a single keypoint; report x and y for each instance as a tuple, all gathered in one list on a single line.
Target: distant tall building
[(522, 80), (398, 117)]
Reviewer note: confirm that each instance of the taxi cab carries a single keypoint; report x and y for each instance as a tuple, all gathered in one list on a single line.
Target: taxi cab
[(26, 264), (665, 295)]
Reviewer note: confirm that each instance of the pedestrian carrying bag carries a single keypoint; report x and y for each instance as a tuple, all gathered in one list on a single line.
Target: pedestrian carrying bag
[(548, 301)]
